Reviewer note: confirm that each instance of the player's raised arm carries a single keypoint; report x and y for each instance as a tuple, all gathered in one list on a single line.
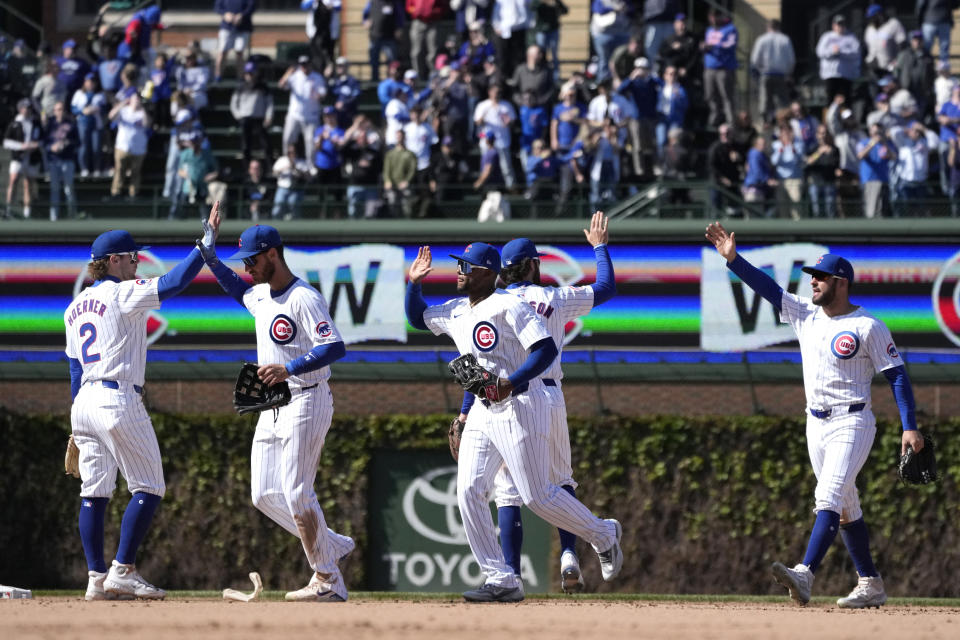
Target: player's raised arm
[(226, 277), (606, 285), (177, 279), (726, 245), (414, 304)]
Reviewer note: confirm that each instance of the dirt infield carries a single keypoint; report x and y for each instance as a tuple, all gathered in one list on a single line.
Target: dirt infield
[(360, 619)]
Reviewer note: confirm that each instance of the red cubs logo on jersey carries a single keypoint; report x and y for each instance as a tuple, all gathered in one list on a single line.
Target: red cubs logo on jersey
[(485, 336), (142, 281), (892, 351), (845, 345), (324, 330), (282, 329)]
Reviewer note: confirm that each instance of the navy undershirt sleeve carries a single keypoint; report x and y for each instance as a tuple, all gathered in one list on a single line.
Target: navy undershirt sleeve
[(76, 377), (606, 285), (229, 280), (542, 353), (468, 400), (172, 283), (320, 356), (903, 394), (415, 305), (757, 280)]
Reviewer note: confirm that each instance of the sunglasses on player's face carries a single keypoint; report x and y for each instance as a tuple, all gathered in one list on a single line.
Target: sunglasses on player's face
[(134, 256), (464, 268), (251, 261)]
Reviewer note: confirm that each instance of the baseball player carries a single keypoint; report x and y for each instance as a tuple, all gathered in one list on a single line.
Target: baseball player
[(506, 337), (555, 306), (842, 347), (296, 342), (106, 327)]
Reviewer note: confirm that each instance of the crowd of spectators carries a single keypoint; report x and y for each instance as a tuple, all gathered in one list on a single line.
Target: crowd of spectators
[(488, 109)]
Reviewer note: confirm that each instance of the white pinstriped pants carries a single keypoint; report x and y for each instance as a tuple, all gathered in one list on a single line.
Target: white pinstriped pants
[(838, 448), (516, 432), (283, 467), (113, 431), (561, 473)]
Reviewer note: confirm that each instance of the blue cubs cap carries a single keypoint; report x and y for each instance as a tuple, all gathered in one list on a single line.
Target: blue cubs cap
[(518, 249), (114, 241), (831, 265), (329, 111), (257, 239), (70, 44), (873, 10), (480, 254), (249, 67)]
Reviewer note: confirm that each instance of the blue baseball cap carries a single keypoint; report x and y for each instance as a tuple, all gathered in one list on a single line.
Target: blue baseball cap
[(480, 254), (69, 44), (831, 265), (873, 10), (518, 249), (257, 239), (114, 241)]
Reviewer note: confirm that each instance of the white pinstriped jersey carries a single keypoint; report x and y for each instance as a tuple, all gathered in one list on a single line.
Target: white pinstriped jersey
[(498, 330), (840, 354), (107, 329), (556, 306), (289, 325)]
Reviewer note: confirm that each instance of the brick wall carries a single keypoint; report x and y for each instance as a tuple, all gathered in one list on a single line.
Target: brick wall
[(190, 396)]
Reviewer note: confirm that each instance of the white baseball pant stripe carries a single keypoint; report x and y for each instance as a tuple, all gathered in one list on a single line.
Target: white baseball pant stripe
[(113, 431), (561, 472), (283, 466), (839, 446), (515, 432)]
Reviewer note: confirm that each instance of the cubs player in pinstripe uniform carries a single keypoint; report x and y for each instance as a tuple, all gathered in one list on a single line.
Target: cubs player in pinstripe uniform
[(106, 331), (507, 338), (555, 306), (296, 342), (842, 347)]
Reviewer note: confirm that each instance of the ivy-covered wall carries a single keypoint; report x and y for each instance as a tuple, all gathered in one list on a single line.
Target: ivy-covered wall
[(706, 504)]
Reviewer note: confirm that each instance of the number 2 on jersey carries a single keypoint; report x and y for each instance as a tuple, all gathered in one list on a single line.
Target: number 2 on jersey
[(85, 329)]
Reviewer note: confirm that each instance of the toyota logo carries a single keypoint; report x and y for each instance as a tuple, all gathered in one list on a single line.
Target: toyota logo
[(437, 488)]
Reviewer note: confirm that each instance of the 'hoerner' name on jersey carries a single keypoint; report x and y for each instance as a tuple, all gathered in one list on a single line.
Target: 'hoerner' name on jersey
[(840, 354), (290, 324), (556, 306), (485, 329), (107, 329)]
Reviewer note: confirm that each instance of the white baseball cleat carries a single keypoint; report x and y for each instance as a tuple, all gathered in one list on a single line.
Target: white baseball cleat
[(571, 579), (125, 582), (799, 580), (95, 587), (611, 560), (321, 588), (869, 592)]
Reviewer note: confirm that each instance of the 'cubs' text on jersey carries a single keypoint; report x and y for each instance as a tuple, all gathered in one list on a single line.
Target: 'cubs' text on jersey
[(840, 354)]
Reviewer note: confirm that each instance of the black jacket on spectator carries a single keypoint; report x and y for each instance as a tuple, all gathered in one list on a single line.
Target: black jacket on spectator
[(15, 133), (447, 170), (722, 163), (914, 71), (935, 11), (823, 170), (362, 164), (384, 25), (682, 52)]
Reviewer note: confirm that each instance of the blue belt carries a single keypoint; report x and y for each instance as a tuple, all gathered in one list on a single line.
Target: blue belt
[(113, 384), (547, 382), (824, 414)]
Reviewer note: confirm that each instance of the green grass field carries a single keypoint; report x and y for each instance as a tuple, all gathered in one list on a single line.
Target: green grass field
[(392, 596)]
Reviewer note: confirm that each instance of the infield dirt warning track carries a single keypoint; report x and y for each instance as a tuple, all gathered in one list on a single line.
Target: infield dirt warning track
[(66, 618)]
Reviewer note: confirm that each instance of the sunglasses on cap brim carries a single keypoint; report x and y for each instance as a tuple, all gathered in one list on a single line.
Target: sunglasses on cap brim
[(465, 268)]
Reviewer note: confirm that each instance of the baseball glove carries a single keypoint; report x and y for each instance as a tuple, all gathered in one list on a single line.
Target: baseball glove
[(454, 433), (71, 460), (919, 468), (471, 376), (253, 394)]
